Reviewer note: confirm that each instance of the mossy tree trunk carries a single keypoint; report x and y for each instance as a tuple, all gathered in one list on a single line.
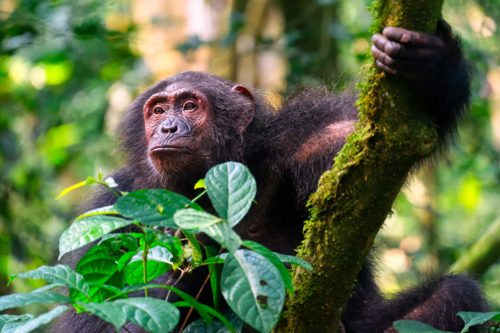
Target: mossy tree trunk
[(354, 198)]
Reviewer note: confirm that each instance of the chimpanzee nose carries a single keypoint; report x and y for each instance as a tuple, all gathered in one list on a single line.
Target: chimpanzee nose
[(169, 128), (175, 126)]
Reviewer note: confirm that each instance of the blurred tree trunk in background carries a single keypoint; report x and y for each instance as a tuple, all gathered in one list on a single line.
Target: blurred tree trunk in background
[(310, 36)]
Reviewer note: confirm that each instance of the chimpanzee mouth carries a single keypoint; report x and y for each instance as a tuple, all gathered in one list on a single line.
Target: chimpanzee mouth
[(169, 148)]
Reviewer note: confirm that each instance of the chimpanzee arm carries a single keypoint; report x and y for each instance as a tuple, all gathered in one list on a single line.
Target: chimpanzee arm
[(433, 65)]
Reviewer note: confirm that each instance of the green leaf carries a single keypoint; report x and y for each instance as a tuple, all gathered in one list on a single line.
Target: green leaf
[(71, 188), (173, 245), (253, 288), (194, 219), (188, 300), (106, 210), (152, 314), (200, 184), (8, 322), (153, 207), (157, 253), (34, 297), (134, 272), (110, 312), (477, 318), (36, 322), (273, 258), (197, 255), (231, 324), (412, 326), (59, 274), (231, 188), (99, 265), (223, 234), (215, 268), (87, 230), (294, 261)]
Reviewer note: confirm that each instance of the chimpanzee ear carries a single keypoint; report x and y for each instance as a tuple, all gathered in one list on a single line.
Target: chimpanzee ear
[(246, 118), (244, 91)]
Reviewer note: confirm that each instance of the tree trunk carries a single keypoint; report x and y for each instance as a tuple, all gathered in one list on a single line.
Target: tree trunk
[(354, 198)]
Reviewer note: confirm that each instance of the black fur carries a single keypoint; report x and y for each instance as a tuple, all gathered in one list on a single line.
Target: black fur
[(270, 146)]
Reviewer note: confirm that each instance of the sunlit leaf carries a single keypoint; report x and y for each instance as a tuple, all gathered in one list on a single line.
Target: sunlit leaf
[(194, 219), (59, 274), (477, 318), (231, 188), (9, 322), (36, 322), (200, 184), (134, 271), (86, 230), (35, 297)]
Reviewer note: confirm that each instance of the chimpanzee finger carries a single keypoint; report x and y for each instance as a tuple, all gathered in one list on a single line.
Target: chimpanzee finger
[(397, 50), (413, 38), (404, 65), (406, 75)]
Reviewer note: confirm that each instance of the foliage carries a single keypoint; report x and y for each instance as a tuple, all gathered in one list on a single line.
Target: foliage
[(470, 318), (251, 280)]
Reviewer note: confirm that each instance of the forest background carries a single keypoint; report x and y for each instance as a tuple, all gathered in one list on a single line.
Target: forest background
[(68, 70)]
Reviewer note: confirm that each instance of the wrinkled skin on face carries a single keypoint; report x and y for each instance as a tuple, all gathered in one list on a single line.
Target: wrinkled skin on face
[(176, 124)]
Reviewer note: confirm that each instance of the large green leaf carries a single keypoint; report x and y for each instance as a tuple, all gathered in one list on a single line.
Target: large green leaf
[(86, 230), (273, 258), (204, 310), (99, 266), (294, 261), (477, 318), (35, 297), (109, 312), (153, 207), (231, 188), (194, 219), (59, 274), (36, 322), (216, 326), (152, 314), (412, 326), (253, 288), (134, 272), (7, 322), (223, 234)]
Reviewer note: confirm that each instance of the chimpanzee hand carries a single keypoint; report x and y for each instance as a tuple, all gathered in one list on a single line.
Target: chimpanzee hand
[(410, 54)]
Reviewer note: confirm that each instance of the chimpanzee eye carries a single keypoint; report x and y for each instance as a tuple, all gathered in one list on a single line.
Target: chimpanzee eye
[(158, 110), (189, 106)]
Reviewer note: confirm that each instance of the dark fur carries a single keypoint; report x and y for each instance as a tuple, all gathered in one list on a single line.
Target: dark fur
[(268, 146)]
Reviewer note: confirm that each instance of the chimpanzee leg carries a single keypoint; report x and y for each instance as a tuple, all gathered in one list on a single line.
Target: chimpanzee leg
[(434, 302)]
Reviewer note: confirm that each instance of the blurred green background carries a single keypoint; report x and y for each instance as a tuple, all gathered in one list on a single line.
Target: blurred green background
[(68, 70)]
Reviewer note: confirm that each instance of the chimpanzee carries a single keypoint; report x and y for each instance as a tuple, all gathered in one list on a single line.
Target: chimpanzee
[(180, 127)]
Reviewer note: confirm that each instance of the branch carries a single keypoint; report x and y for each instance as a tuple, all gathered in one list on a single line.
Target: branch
[(482, 255), (354, 198)]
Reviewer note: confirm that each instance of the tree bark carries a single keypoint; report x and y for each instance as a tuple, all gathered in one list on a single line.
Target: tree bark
[(356, 195)]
